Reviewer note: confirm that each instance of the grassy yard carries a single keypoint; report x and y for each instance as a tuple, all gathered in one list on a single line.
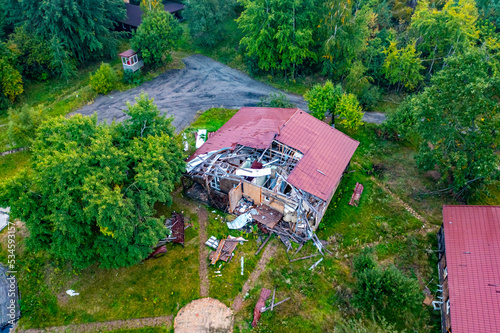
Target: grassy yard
[(155, 287)]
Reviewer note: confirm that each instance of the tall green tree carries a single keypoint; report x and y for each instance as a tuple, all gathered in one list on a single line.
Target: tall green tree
[(11, 82), (84, 28), (155, 38), (346, 30), (460, 125), (91, 193), (207, 19), (443, 33), (403, 66), (280, 33)]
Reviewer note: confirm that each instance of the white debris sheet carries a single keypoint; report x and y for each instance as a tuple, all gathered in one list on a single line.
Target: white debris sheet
[(240, 221)]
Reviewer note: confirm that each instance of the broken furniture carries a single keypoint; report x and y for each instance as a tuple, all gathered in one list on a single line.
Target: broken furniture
[(225, 249), (157, 252), (176, 226), (358, 190)]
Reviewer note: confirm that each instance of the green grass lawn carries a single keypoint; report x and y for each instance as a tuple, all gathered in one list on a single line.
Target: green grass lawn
[(155, 287), (226, 281), (11, 164)]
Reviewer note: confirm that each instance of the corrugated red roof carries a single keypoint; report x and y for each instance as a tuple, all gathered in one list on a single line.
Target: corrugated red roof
[(472, 243), (325, 148), (127, 53), (252, 127)]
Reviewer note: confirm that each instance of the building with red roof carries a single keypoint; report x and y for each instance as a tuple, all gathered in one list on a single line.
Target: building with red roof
[(280, 157), (469, 269)]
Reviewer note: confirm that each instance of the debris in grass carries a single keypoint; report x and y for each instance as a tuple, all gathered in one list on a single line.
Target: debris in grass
[(71, 292)]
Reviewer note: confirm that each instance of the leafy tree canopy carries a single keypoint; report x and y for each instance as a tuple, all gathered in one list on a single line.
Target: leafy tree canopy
[(323, 99), (156, 37), (442, 33), (403, 66), (23, 124), (207, 18), (11, 82), (280, 33), (460, 121), (91, 193), (82, 28)]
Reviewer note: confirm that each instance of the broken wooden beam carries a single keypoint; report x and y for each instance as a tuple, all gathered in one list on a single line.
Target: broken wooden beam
[(264, 309), (307, 257), (272, 301), (263, 244)]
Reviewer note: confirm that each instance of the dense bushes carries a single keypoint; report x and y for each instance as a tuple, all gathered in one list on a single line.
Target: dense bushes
[(387, 292), (104, 79)]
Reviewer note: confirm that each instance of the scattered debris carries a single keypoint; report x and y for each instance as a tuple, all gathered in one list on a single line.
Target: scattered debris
[(157, 252), (358, 190), (240, 221), (261, 303), (4, 217), (275, 304), (307, 257), (263, 244), (224, 250), (176, 226), (212, 242), (315, 264), (71, 292), (201, 137)]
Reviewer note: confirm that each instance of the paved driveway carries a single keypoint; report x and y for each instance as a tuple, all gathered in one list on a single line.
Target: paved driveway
[(202, 84)]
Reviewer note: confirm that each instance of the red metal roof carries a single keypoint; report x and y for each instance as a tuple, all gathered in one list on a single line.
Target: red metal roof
[(127, 53), (472, 243), (325, 148), (252, 127)]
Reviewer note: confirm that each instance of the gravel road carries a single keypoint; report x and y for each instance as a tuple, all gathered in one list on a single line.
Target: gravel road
[(202, 84)]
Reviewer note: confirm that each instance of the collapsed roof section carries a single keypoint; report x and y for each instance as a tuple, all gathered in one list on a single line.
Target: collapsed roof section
[(326, 151)]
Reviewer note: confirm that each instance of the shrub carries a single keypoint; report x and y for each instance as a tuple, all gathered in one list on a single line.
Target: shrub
[(23, 124), (104, 79), (349, 112), (387, 292), (130, 77), (276, 100), (322, 99)]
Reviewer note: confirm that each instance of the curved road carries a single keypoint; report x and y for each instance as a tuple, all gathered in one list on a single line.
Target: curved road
[(202, 84)]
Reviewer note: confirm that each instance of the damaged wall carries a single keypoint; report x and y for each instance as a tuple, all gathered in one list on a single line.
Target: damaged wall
[(235, 195), (253, 192)]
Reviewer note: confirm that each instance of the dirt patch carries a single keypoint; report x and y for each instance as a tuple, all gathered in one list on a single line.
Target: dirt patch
[(204, 83), (261, 265), (202, 220), (204, 315), (105, 326)]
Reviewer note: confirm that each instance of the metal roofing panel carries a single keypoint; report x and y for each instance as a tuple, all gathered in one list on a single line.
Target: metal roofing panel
[(252, 127), (325, 148), (472, 243), (327, 153)]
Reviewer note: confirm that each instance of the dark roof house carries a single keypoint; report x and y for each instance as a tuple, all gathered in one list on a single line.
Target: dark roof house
[(282, 158), (469, 268), (134, 14)]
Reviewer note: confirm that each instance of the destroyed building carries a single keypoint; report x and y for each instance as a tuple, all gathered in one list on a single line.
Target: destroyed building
[(284, 163)]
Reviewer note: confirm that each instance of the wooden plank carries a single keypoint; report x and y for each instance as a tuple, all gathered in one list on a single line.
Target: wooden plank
[(218, 251), (313, 255), (272, 301), (263, 244), (275, 305)]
